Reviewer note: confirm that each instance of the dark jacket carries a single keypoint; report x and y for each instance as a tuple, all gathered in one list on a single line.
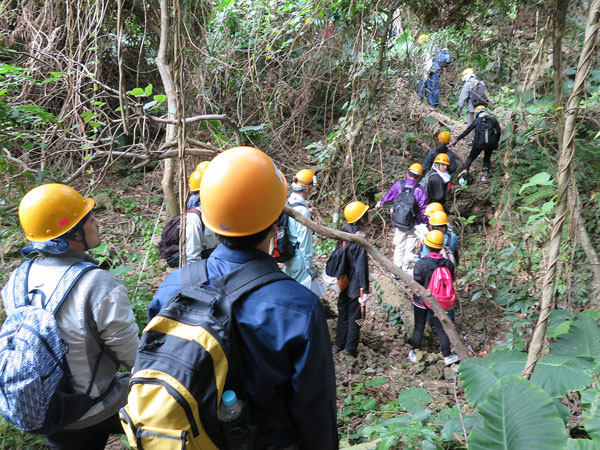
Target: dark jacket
[(476, 122), (288, 365), (443, 148), (436, 188), (357, 266), (424, 269)]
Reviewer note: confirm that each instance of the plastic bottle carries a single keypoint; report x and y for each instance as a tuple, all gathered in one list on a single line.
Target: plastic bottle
[(231, 407)]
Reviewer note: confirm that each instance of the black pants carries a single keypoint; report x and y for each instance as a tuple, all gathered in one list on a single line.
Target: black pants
[(90, 438), (347, 333), (417, 337), (487, 157)]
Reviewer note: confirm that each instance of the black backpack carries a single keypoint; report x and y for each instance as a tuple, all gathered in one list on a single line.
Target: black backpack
[(188, 356), (168, 247), (477, 94), (404, 216), (284, 250), (486, 136)]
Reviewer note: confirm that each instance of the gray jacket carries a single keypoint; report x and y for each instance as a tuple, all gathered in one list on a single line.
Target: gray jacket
[(466, 96), (97, 311)]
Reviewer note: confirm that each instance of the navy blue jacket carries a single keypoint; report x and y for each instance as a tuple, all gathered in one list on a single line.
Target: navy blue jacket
[(286, 351)]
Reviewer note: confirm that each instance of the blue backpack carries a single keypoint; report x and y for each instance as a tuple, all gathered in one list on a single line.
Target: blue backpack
[(36, 393), (444, 57)]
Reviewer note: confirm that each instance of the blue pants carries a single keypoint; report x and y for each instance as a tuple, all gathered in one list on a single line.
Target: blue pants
[(347, 333), (431, 87)]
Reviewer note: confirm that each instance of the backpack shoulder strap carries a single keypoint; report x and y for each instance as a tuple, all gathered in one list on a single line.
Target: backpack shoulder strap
[(20, 297), (249, 276), (194, 274), (66, 283)]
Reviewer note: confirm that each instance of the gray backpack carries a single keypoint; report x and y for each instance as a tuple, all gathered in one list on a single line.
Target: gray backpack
[(36, 392), (477, 94)]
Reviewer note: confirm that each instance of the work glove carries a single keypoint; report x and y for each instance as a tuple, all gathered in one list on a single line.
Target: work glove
[(378, 204), (313, 273), (363, 299)]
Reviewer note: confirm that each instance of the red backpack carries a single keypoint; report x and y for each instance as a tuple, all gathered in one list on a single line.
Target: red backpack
[(442, 287)]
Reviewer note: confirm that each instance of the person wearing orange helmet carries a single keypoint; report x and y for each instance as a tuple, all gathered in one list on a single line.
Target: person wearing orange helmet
[(91, 310), (283, 340), (408, 211), (437, 181), (301, 266), (444, 139)]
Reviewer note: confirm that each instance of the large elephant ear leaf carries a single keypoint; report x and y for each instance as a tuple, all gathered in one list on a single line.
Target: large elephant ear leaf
[(478, 375), (583, 339), (590, 399), (518, 415), (582, 444)]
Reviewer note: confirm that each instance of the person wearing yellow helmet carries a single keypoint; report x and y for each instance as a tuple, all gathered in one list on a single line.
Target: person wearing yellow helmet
[(301, 266), (423, 274), (439, 221), (474, 92), (92, 314), (486, 139), (437, 181), (283, 340), (408, 211), (435, 60), (353, 299), (444, 139)]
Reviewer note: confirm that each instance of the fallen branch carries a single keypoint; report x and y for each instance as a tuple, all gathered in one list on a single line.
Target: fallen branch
[(222, 117), (461, 350)]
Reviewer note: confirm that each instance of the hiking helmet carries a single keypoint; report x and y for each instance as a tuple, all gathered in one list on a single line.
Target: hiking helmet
[(433, 207), (304, 179), (435, 239), (442, 158), (51, 210), (479, 109), (422, 39), (438, 218), (416, 169), (444, 137), (195, 180), (354, 211), (242, 192), (467, 73), (203, 165)]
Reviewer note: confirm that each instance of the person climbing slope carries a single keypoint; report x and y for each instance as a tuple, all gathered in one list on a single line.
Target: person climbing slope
[(352, 300), (423, 273), (474, 93), (435, 60), (444, 139), (486, 139), (437, 181)]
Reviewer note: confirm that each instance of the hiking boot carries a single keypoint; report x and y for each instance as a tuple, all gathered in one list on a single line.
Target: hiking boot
[(353, 354), (450, 359), (336, 349), (412, 356)]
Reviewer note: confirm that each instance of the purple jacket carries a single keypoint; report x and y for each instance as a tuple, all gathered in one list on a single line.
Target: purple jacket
[(420, 196)]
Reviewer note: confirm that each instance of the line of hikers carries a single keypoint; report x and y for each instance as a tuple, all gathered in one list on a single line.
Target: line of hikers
[(229, 312)]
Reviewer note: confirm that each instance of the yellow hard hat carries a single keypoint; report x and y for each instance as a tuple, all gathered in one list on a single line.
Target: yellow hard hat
[(444, 137), (435, 239), (50, 210), (195, 180), (479, 108), (354, 211), (242, 192), (416, 168), (203, 165), (422, 39), (433, 207), (438, 218), (467, 71), (305, 178), (442, 158)]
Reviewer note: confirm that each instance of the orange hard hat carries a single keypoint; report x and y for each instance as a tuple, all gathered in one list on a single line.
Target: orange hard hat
[(195, 180), (50, 210), (242, 192), (444, 137)]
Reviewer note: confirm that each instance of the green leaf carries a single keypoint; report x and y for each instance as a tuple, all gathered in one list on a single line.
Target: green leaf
[(590, 400), (557, 375), (541, 179), (137, 92), (160, 98), (518, 415), (121, 270), (148, 90), (582, 444), (413, 399), (454, 426), (478, 375), (370, 405), (421, 416), (583, 339), (253, 128), (376, 382)]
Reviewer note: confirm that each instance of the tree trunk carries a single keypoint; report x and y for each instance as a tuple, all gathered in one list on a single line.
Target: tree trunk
[(557, 34), (408, 283), (166, 75), (564, 174)]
